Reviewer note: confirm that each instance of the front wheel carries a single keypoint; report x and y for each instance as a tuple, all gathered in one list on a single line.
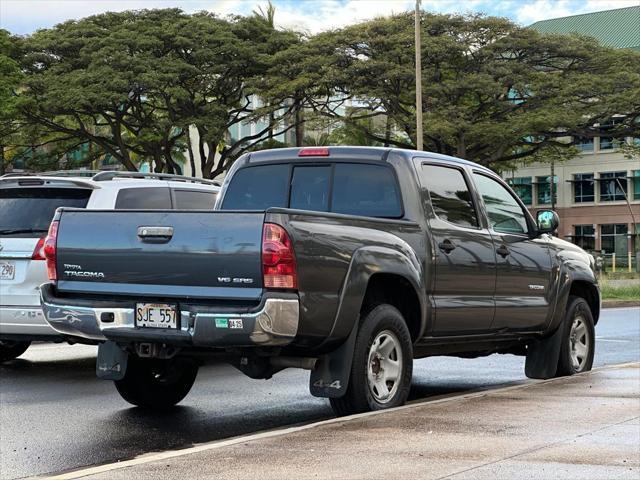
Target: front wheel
[(382, 364), (10, 349), (157, 384)]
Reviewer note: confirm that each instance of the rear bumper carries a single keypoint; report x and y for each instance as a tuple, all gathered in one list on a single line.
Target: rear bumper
[(27, 321), (273, 323)]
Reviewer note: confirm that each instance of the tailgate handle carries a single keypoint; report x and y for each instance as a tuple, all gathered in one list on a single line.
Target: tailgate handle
[(155, 233)]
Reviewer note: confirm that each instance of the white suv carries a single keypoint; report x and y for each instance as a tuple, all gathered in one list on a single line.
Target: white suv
[(27, 204)]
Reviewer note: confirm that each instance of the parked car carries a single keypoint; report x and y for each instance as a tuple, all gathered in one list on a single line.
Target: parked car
[(27, 205), (349, 262)]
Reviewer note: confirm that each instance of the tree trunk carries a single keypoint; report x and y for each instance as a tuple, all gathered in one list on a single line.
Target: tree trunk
[(192, 160), (387, 131), (2, 169), (299, 119)]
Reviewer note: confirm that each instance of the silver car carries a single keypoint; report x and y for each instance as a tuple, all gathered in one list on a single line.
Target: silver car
[(27, 204)]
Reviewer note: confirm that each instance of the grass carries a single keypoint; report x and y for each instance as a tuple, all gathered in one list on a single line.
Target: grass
[(625, 292)]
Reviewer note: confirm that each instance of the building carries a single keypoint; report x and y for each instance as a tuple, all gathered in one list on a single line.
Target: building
[(597, 194)]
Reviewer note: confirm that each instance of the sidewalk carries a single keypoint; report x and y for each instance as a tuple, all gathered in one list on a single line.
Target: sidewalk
[(587, 426)]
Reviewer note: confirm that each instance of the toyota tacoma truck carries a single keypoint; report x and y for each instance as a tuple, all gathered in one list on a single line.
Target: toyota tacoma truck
[(346, 261)]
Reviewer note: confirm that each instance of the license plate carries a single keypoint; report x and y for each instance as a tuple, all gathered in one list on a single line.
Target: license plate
[(156, 315), (7, 270)]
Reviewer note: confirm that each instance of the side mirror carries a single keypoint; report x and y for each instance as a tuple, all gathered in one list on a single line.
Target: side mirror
[(547, 221)]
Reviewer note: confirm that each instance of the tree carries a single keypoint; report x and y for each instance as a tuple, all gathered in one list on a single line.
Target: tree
[(492, 91), (10, 78)]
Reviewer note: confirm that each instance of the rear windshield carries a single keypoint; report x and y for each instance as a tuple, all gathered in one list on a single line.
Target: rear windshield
[(348, 188), (25, 211)]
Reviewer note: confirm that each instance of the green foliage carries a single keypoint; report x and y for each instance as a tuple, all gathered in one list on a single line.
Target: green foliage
[(492, 91), (146, 86)]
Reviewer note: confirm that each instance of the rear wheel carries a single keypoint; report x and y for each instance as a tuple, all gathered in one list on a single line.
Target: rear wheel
[(10, 349), (157, 384), (382, 364), (578, 340)]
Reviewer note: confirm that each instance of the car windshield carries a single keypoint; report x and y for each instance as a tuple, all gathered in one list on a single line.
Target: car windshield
[(28, 210)]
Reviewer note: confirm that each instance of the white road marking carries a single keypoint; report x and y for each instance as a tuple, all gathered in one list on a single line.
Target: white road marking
[(604, 339), (217, 444)]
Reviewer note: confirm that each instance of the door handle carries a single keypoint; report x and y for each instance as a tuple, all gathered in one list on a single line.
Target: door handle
[(503, 251), (155, 234), (446, 246)]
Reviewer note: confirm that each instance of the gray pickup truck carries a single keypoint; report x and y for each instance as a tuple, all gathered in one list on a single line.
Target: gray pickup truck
[(346, 261)]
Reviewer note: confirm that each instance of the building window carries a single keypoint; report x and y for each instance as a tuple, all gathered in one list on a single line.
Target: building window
[(583, 188), (636, 184), (584, 144), (608, 142), (614, 238), (613, 186), (523, 188), (585, 236), (543, 190)]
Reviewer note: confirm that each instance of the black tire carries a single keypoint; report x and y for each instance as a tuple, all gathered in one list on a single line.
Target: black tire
[(577, 311), (10, 349), (360, 396), (157, 384)]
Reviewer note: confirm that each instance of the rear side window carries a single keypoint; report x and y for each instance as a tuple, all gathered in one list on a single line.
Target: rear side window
[(30, 209), (258, 188), (450, 196), (367, 190), (146, 198), (194, 200), (348, 188)]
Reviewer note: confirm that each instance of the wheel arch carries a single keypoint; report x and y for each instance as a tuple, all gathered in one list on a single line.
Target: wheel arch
[(380, 271)]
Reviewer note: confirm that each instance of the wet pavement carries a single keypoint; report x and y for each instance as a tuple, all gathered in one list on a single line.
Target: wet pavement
[(55, 415)]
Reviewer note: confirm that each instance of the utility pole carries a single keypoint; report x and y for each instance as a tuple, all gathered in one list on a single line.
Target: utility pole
[(418, 79)]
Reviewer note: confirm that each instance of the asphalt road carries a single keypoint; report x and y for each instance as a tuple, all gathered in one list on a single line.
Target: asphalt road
[(55, 415)]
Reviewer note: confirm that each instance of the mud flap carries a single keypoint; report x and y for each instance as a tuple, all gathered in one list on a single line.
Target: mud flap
[(330, 377), (112, 361), (543, 356)]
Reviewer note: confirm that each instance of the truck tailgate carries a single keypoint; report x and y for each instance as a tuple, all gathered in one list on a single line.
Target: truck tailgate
[(161, 253)]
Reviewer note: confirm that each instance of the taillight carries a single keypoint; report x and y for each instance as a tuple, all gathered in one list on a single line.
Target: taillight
[(49, 249), (278, 258), (38, 252)]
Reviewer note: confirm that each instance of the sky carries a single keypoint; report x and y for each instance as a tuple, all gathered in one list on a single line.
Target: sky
[(25, 16)]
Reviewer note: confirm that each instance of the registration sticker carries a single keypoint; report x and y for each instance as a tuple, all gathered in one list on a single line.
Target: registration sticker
[(235, 323), (222, 323)]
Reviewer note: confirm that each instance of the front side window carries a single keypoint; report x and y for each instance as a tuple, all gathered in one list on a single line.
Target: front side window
[(450, 196), (504, 212), (144, 198), (613, 186), (523, 188), (585, 236), (543, 189), (583, 185)]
